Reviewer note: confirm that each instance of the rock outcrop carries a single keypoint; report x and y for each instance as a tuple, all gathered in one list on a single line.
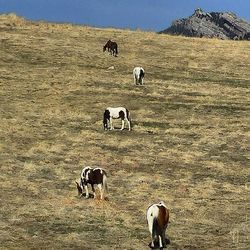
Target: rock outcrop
[(215, 24)]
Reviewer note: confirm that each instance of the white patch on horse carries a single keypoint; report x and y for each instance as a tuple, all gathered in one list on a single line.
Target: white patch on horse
[(138, 74)]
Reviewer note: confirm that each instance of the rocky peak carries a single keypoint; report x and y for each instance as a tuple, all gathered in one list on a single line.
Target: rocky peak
[(199, 13), (224, 25)]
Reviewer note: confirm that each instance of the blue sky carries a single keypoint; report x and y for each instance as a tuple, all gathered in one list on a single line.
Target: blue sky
[(153, 15)]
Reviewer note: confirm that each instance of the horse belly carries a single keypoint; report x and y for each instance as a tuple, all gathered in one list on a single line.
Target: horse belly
[(115, 116)]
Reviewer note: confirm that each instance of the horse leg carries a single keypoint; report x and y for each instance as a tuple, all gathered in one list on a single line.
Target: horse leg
[(135, 80), (129, 125), (152, 245), (164, 240), (111, 124), (140, 80), (101, 191), (160, 242), (87, 191), (93, 189), (122, 124)]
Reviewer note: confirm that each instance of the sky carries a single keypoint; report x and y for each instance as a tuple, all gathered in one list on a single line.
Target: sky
[(150, 15)]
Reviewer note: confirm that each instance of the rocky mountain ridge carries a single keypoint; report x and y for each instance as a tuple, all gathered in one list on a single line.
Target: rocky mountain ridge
[(223, 25)]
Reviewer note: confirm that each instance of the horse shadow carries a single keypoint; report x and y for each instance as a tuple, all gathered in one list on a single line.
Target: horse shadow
[(118, 129), (157, 246), (91, 196)]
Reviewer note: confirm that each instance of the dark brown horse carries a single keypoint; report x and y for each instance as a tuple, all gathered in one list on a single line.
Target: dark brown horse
[(112, 47)]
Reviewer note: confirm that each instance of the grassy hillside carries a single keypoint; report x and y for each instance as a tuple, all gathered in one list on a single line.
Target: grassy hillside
[(188, 146)]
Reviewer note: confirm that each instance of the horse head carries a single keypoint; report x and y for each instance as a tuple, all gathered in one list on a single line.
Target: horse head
[(79, 188), (105, 124), (106, 117)]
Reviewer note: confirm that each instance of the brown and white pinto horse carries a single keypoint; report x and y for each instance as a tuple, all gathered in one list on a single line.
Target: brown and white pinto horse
[(96, 176), (112, 47), (116, 113), (157, 218), (138, 73)]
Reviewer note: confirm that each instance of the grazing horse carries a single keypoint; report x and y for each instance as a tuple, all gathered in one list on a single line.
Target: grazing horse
[(112, 47), (96, 176), (139, 74), (158, 217), (115, 113)]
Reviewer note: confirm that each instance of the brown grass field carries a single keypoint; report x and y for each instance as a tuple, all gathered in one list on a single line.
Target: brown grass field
[(188, 146)]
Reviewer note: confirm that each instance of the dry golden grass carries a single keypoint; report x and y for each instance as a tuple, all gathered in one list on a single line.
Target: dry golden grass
[(188, 147)]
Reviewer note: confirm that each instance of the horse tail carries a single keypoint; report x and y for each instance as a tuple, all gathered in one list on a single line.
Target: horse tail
[(155, 228), (78, 188), (128, 115), (116, 48), (105, 183), (142, 73), (129, 118)]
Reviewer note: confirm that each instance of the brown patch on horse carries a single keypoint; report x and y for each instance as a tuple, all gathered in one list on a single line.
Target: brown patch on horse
[(121, 115), (96, 176), (163, 217)]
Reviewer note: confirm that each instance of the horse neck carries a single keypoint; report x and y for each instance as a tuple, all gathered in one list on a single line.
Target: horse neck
[(106, 115)]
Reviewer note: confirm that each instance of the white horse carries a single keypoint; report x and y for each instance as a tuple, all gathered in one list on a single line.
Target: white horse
[(116, 113), (96, 176), (158, 217), (138, 74)]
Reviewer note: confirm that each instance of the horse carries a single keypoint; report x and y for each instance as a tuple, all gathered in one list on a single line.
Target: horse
[(116, 113), (157, 218), (112, 47), (138, 74), (96, 176)]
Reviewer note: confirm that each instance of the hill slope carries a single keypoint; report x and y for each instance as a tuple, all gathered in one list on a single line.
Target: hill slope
[(188, 146)]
